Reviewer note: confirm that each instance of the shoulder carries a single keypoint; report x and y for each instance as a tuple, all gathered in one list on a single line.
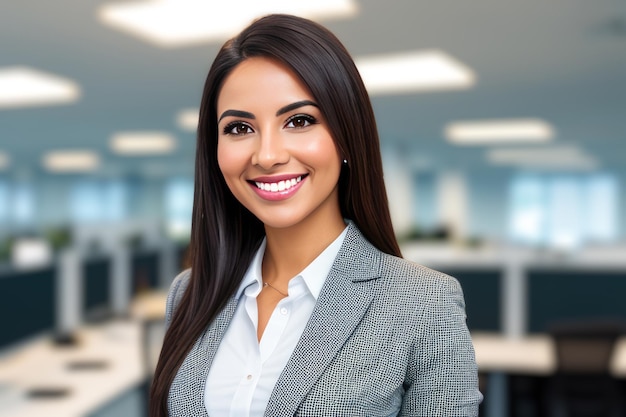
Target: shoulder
[(415, 284), (408, 273), (177, 289), (398, 278)]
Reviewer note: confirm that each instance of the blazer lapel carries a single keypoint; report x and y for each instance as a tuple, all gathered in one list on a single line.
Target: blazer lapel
[(344, 299), (196, 366)]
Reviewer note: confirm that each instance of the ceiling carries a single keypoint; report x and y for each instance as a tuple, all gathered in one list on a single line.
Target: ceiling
[(563, 61)]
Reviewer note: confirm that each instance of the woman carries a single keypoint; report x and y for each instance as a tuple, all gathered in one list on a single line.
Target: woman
[(298, 302)]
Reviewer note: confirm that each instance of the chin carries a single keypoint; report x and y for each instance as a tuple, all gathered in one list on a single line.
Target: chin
[(280, 223)]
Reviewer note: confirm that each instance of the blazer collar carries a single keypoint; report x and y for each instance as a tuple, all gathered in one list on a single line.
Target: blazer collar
[(344, 299)]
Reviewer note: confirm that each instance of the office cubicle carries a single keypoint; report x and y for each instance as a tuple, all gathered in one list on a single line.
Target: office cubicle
[(97, 288), (27, 305), (568, 294)]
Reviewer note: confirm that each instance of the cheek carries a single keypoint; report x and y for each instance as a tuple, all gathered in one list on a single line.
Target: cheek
[(228, 160), (323, 153)]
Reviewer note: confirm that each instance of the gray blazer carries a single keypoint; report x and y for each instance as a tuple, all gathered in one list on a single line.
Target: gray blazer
[(387, 337)]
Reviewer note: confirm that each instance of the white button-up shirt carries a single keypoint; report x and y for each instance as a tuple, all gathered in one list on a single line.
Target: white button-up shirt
[(244, 370)]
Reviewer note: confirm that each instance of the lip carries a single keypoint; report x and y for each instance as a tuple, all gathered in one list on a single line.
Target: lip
[(277, 178), (277, 195)]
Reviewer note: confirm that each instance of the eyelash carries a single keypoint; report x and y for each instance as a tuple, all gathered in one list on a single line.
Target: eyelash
[(228, 129)]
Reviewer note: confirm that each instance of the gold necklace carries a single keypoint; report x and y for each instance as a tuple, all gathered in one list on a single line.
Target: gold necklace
[(267, 284)]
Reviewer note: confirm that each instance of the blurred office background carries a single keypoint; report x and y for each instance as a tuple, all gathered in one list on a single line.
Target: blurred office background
[(503, 130)]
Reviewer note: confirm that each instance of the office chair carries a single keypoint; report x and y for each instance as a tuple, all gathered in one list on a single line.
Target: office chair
[(582, 385)]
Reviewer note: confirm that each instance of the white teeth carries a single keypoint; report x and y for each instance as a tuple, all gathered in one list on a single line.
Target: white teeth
[(278, 186)]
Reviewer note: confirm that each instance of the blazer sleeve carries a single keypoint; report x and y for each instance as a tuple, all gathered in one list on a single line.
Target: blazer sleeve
[(442, 375), (177, 289)]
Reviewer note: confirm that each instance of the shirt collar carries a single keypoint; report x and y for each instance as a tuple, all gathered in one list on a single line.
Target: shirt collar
[(314, 275), (254, 273)]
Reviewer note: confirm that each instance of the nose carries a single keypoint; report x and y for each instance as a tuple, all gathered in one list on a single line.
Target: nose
[(270, 151)]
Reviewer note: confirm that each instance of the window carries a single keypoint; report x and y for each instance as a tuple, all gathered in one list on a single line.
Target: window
[(23, 204), (563, 211), (178, 207), (4, 202), (602, 195), (98, 200)]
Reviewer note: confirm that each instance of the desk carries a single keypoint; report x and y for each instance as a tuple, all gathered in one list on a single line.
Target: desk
[(149, 309), (149, 306), (530, 355), (533, 355), (117, 345), (498, 355), (40, 364)]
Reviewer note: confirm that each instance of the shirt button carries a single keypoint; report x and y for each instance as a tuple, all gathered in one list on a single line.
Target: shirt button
[(284, 311), (249, 377)]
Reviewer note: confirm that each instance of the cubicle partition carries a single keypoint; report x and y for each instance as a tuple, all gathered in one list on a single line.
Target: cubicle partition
[(97, 288), (28, 303), (569, 294), (145, 270)]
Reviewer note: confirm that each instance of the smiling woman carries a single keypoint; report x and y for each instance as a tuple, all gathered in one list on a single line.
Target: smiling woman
[(279, 138), (298, 302)]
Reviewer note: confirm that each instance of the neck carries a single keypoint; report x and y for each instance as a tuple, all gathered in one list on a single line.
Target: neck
[(290, 250)]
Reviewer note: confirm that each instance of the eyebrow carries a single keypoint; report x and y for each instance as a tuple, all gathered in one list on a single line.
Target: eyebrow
[(236, 113), (296, 105), (282, 110)]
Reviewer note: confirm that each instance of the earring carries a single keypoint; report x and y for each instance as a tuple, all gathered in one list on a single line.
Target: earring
[(345, 161)]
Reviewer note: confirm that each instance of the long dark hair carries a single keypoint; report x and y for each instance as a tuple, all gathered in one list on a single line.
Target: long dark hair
[(225, 235)]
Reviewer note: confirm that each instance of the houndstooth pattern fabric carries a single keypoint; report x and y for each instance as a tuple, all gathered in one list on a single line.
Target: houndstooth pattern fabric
[(387, 337)]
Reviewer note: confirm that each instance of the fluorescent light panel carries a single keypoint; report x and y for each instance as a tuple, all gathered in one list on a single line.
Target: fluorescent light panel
[(142, 143), (187, 119), (483, 132), (172, 23), (23, 86), (556, 157), (414, 72), (71, 161)]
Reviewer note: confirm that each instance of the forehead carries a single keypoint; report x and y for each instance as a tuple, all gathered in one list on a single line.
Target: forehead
[(261, 81)]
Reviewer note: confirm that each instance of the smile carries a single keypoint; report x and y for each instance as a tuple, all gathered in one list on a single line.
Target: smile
[(278, 186)]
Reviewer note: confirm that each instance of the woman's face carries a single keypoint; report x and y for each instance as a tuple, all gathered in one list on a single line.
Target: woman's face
[(274, 147)]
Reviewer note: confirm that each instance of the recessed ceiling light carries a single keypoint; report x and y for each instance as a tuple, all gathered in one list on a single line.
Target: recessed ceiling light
[(413, 72), (23, 86), (4, 160), (554, 158), (71, 161), (142, 143), (188, 119), (171, 23), (483, 132)]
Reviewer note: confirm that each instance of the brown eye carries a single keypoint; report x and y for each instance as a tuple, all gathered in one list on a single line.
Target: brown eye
[(237, 129), (300, 121)]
